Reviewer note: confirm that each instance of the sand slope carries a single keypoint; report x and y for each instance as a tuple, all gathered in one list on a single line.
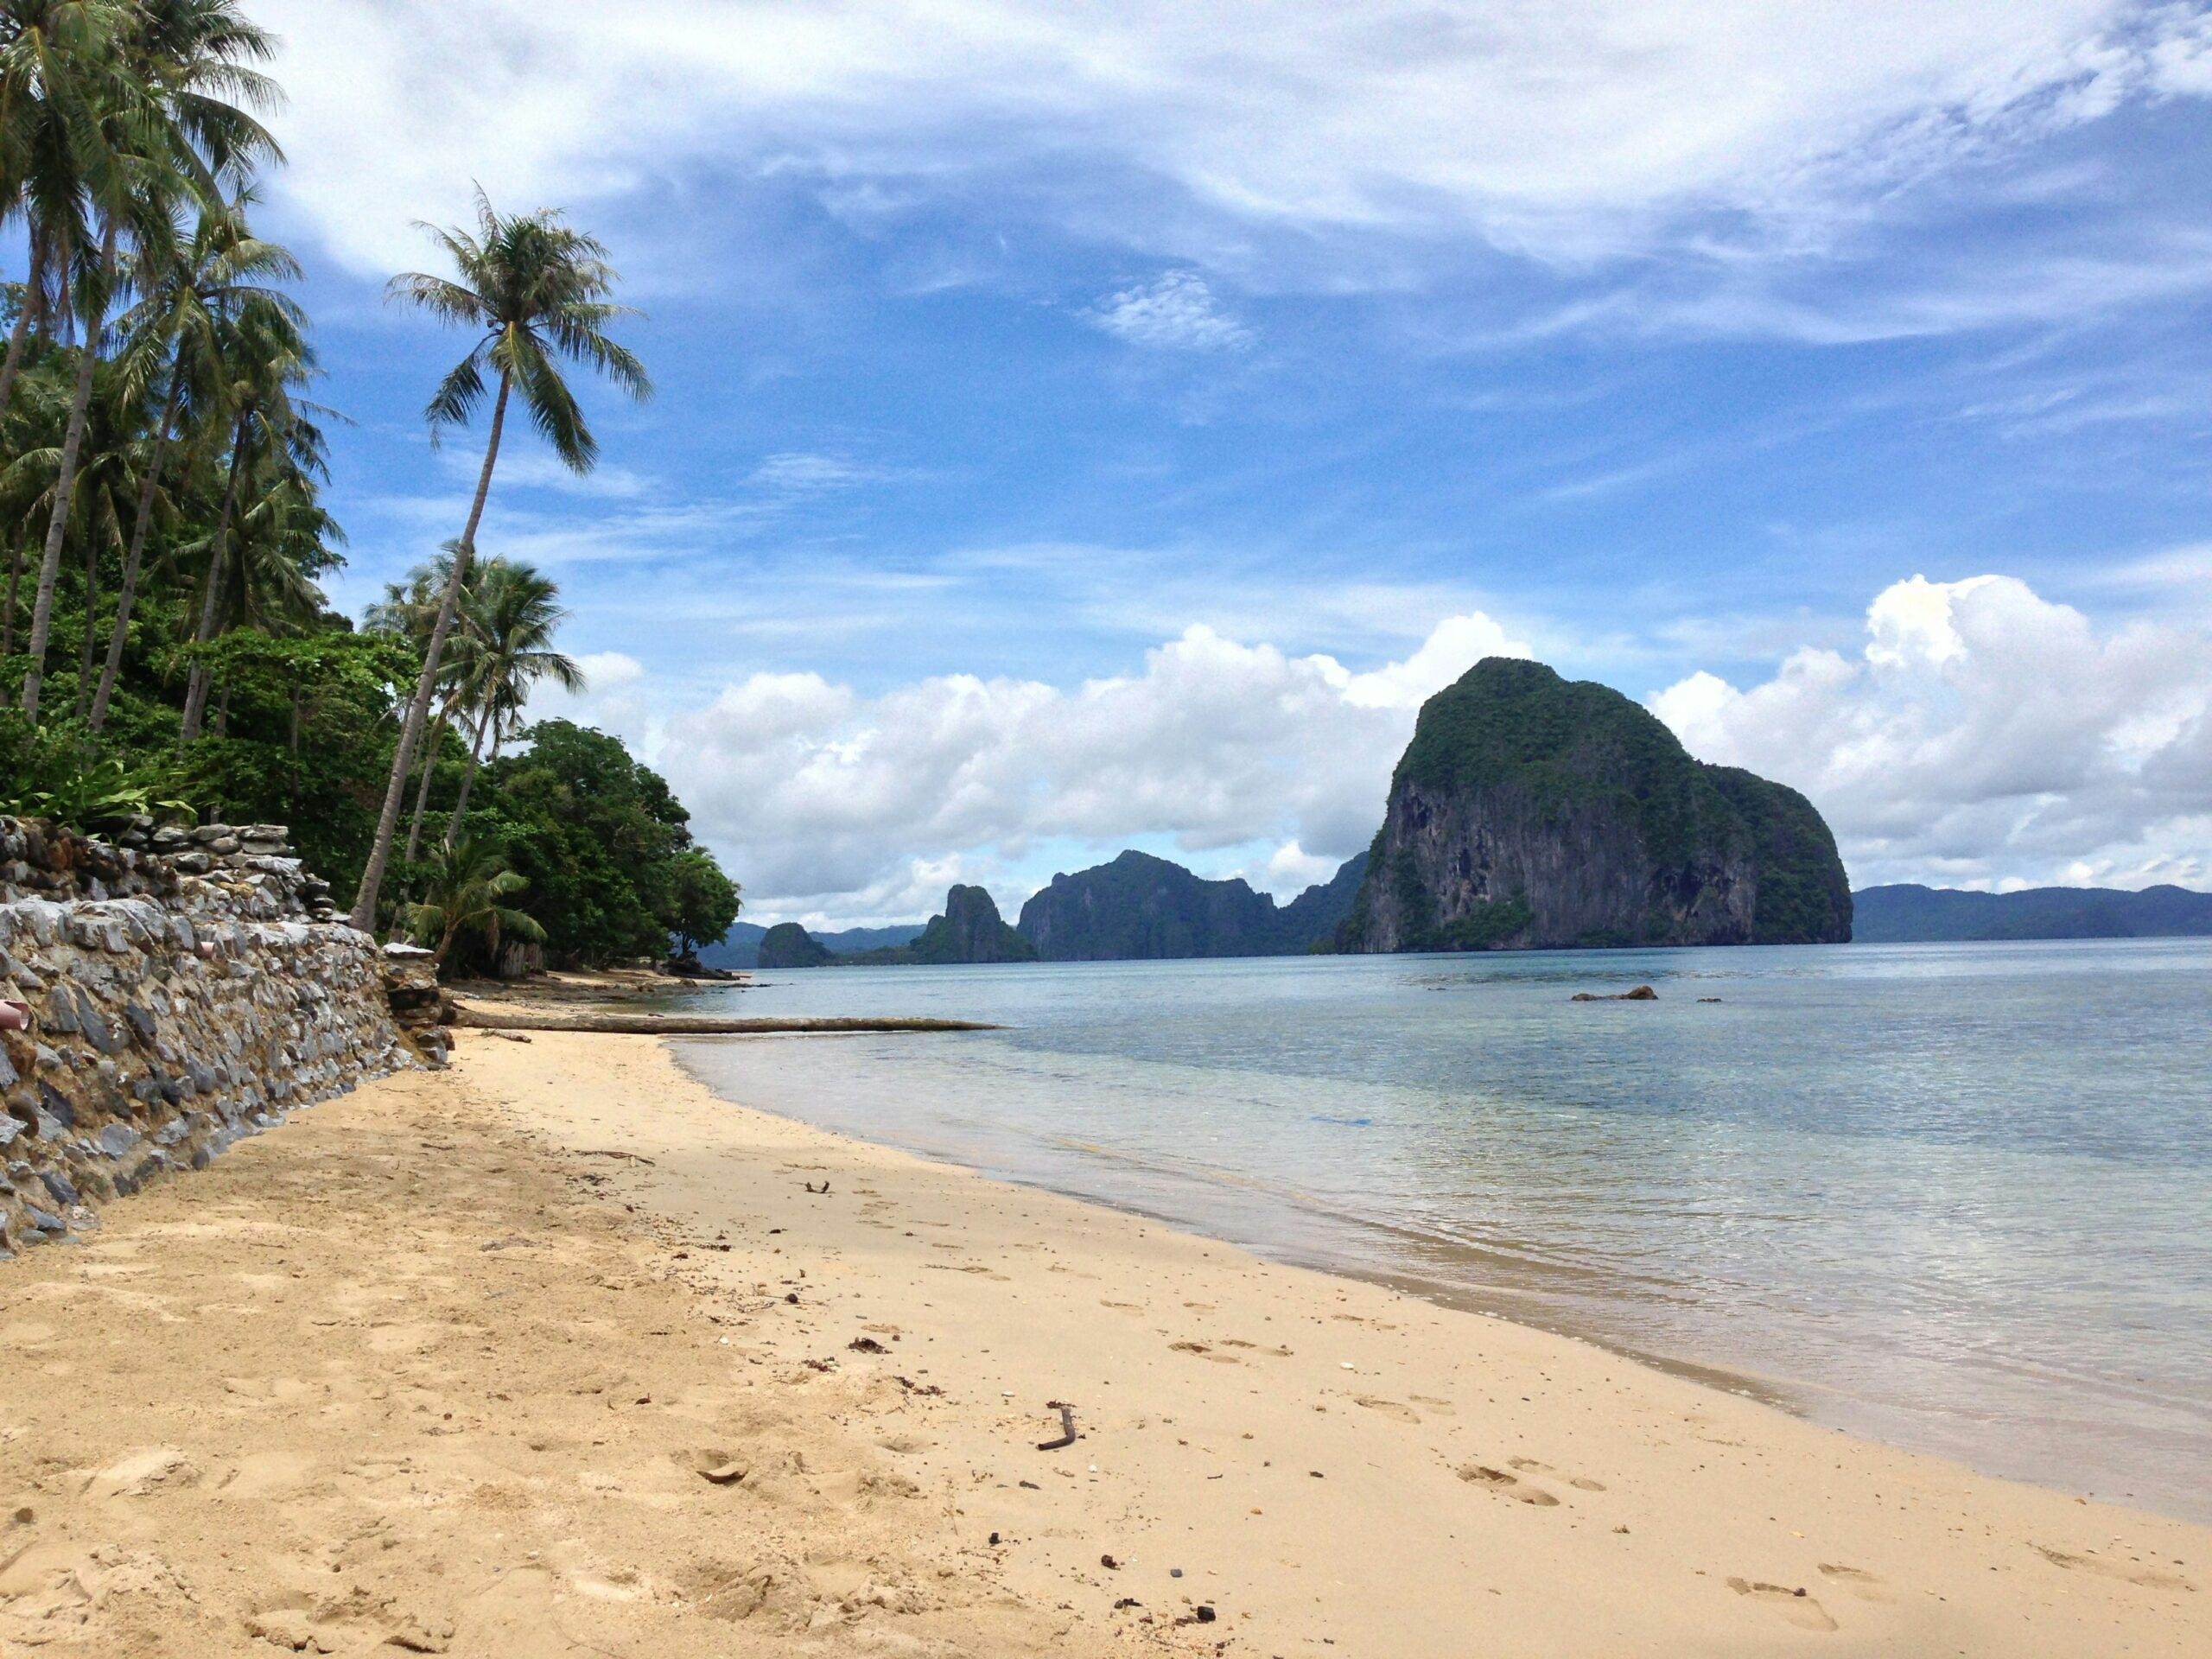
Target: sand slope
[(229, 1416)]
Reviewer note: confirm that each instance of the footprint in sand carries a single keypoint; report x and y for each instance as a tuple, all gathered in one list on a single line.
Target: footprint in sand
[(1512, 1486), (1533, 1465), (1388, 1408), (1203, 1352), (1799, 1608), (2151, 1577), (1122, 1307), (1862, 1584), (148, 1469), (1434, 1406)]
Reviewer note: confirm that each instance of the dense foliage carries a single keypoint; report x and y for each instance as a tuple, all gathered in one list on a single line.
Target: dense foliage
[(164, 638)]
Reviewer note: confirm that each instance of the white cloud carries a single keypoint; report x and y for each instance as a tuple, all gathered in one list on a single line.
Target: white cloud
[(818, 796), (1984, 735), (1178, 313), (1568, 132)]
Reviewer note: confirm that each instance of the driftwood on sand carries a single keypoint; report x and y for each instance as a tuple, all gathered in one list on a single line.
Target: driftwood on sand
[(684, 1025)]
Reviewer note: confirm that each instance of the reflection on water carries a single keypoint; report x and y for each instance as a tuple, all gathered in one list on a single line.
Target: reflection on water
[(1957, 1195)]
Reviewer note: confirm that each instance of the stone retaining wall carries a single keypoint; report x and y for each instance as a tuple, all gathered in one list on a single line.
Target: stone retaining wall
[(183, 989)]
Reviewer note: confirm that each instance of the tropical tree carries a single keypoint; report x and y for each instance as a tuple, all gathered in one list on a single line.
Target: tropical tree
[(535, 294), (701, 903), (509, 615), (265, 361), (469, 887), (157, 105), (194, 296), (58, 59)]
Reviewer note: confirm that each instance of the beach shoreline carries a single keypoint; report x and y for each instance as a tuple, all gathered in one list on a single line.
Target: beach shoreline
[(509, 1314)]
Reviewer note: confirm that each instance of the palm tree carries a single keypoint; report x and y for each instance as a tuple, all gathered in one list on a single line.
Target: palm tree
[(409, 610), (510, 614), (468, 890), (280, 541), (536, 291), (177, 332), (56, 60), (265, 359), (161, 109)]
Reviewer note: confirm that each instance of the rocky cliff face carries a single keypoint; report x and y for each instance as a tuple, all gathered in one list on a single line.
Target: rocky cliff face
[(970, 930), (1139, 908), (159, 1001), (1531, 811)]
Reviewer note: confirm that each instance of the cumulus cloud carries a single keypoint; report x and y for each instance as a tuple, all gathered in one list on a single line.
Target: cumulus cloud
[(828, 801), (1178, 313), (1984, 736), (1564, 131)]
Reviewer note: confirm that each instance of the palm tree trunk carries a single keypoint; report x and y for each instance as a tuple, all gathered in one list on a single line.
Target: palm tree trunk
[(293, 741), (467, 779), (127, 594), (64, 485), (223, 712), (195, 693), (15, 581), (422, 788), (91, 615), (419, 712), (21, 331)]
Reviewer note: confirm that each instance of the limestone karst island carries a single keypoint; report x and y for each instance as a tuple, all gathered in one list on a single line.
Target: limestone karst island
[(1004, 831)]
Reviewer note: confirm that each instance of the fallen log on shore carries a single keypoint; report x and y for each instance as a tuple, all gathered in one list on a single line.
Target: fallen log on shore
[(686, 1025)]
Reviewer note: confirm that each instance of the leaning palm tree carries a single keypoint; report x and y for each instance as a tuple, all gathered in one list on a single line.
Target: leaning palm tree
[(469, 888), (535, 291), (409, 610), (510, 613)]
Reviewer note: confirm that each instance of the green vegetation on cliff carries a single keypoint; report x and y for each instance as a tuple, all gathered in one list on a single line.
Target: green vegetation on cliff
[(1139, 908), (789, 945), (1533, 811)]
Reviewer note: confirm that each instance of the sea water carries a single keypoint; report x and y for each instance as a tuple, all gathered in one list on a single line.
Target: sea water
[(1957, 1197)]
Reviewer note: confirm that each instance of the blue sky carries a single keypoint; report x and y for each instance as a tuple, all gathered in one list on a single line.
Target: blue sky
[(1086, 427)]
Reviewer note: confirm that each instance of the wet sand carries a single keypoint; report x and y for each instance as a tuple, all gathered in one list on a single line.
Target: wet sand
[(556, 1352)]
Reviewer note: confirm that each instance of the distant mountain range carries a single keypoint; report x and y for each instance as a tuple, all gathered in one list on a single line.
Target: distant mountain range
[(743, 948), (1142, 908), (1911, 914)]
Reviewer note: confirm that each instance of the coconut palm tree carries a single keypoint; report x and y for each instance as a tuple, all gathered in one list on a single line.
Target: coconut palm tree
[(162, 105), (281, 539), (176, 332), (469, 888), (535, 292), (265, 359), (56, 60), (510, 614), (410, 610)]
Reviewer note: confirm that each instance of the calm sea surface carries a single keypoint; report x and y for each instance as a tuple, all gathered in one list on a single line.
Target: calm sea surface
[(1958, 1196)]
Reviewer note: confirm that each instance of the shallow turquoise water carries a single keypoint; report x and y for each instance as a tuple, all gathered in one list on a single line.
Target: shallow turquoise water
[(1959, 1197)]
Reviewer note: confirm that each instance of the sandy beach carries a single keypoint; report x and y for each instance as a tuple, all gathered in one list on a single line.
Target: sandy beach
[(554, 1352)]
